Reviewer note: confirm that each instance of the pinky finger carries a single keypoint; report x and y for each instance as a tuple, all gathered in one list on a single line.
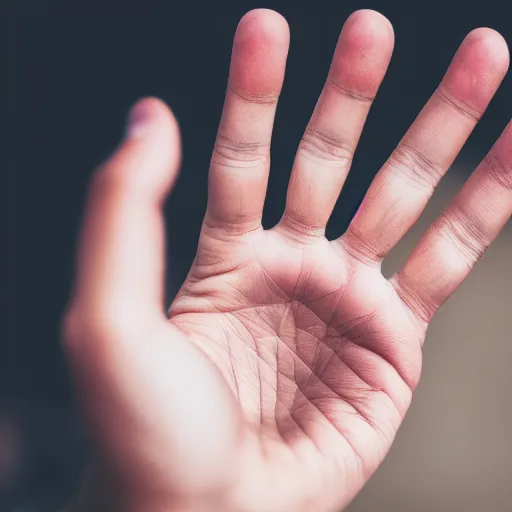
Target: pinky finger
[(452, 245)]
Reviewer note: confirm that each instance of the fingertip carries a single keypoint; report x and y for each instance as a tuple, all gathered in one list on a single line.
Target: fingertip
[(478, 67), (266, 25), (370, 24), (147, 114), (260, 49), (150, 154), (363, 52), (488, 48)]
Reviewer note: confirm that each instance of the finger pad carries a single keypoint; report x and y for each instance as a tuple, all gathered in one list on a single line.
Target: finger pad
[(363, 52), (259, 54), (478, 67)]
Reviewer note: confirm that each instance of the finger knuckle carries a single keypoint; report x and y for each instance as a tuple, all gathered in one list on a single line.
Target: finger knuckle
[(263, 99), (235, 153), (349, 93), (86, 329), (360, 247), (329, 149), (420, 303), (465, 233), (499, 172), (422, 171), (298, 227), (109, 177), (459, 105)]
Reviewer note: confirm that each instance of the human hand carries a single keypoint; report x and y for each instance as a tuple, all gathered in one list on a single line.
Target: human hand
[(287, 362)]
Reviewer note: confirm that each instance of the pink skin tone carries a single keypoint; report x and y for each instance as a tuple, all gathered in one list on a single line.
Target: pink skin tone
[(284, 367)]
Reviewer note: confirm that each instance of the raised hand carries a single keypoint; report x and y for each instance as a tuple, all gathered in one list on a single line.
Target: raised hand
[(287, 361)]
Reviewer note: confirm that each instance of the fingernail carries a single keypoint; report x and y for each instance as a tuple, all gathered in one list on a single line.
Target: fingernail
[(139, 121)]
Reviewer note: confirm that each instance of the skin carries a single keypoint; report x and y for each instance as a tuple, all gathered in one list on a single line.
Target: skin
[(281, 372)]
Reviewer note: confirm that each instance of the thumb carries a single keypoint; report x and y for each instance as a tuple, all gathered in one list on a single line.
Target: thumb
[(152, 399), (121, 251)]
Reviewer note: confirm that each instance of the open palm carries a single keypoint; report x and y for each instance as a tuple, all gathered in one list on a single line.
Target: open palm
[(288, 361)]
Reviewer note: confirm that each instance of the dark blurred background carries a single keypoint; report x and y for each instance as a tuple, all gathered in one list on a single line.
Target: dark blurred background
[(75, 68)]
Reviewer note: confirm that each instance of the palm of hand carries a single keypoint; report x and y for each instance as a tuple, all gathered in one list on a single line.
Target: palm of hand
[(317, 347), (288, 361)]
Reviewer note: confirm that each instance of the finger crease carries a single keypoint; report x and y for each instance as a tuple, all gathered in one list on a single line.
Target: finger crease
[(326, 147), (349, 92), (422, 307), (258, 99), (498, 172), (459, 105), (359, 248), (237, 153), (464, 232), (423, 171)]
